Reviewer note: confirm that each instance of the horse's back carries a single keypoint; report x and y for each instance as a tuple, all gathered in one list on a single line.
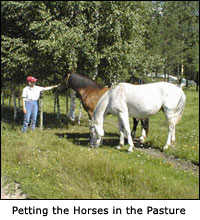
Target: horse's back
[(144, 100), (171, 94), (151, 91)]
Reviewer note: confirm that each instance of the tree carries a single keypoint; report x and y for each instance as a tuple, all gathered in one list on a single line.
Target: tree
[(108, 40), (177, 36)]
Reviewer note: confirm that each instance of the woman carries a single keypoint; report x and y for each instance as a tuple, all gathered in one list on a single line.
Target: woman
[(30, 96)]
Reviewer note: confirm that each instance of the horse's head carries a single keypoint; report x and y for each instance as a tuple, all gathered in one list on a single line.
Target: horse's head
[(96, 140), (97, 133), (65, 83)]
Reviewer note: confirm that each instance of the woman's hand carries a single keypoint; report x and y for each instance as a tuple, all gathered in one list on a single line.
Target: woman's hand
[(57, 86), (24, 110)]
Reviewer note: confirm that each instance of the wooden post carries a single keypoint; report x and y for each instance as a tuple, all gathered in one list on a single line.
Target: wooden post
[(67, 101), (67, 108), (19, 98), (10, 98), (55, 101), (58, 106), (15, 105), (41, 111)]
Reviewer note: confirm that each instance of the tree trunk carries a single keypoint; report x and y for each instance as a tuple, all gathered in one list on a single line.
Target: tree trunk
[(10, 98), (14, 103), (182, 72), (58, 105), (3, 96), (19, 101)]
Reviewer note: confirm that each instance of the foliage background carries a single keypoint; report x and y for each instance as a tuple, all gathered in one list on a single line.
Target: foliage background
[(111, 41)]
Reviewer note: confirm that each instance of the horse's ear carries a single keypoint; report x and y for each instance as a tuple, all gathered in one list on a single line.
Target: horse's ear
[(72, 71), (67, 73)]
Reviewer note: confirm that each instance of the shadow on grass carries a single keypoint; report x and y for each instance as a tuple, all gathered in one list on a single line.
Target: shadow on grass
[(83, 139), (49, 119), (110, 140)]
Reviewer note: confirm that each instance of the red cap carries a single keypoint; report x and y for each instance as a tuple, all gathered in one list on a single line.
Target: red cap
[(31, 79)]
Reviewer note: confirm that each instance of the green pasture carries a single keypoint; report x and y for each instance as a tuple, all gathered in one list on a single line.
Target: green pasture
[(57, 163)]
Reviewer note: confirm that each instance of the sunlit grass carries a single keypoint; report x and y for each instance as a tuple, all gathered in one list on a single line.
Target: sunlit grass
[(57, 163)]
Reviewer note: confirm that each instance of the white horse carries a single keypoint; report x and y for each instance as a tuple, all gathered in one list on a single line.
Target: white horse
[(139, 101)]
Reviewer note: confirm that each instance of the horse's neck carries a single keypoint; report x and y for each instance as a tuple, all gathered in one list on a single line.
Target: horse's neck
[(101, 108), (80, 92), (84, 93), (100, 111), (89, 95)]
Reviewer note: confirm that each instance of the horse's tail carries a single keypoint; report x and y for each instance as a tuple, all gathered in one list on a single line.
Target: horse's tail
[(180, 106)]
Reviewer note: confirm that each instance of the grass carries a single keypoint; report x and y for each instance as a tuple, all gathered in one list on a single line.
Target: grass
[(187, 130), (56, 163)]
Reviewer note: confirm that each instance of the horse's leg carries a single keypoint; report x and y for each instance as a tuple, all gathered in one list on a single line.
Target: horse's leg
[(172, 120), (91, 127), (173, 137), (121, 133), (135, 123), (124, 117), (171, 134), (145, 128)]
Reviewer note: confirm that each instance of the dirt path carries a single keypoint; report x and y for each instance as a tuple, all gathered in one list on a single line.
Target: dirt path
[(11, 190), (176, 162)]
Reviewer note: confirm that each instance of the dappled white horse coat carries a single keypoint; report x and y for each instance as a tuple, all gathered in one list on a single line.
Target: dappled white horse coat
[(140, 101)]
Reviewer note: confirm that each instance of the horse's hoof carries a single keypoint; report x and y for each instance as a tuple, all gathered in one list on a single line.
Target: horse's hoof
[(165, 147), (118, 147), (92, 145), (130, 150), (141, 140)]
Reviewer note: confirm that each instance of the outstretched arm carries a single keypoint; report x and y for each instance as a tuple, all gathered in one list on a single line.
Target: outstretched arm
[(49, 87)]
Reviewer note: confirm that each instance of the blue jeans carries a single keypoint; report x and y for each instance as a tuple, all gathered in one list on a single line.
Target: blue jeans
[(31, 113)]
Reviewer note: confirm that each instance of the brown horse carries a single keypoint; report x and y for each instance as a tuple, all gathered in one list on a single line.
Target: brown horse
[(89, 93)]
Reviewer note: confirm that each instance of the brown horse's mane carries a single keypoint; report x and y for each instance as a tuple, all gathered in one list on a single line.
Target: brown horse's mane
[(79, 81)]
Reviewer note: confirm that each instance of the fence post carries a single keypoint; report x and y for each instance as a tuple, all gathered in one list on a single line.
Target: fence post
[(41, 111), (58, 105), (19, 99), (55, 101), (15, 105)]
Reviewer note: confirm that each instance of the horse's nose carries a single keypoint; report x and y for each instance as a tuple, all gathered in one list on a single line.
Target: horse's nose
[(59, 88)]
